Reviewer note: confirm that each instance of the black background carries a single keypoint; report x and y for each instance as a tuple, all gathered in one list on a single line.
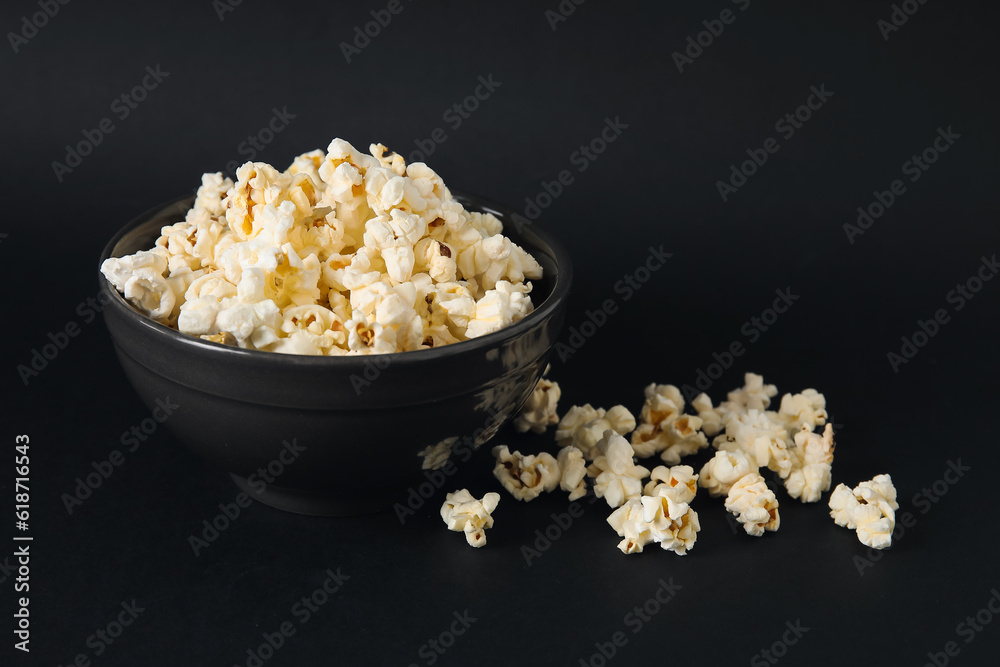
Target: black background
[(654, 185)]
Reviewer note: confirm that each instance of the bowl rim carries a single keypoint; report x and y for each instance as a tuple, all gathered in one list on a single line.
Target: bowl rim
[(556, 298)]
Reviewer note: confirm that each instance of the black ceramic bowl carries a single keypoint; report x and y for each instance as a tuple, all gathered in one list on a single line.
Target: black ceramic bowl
[(337, 435)]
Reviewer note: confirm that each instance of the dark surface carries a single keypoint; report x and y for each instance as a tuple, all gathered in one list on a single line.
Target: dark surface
[(656, 184)]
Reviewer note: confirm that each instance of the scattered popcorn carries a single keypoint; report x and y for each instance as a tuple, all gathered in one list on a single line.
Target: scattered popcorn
[(870, 509), (711, 420), (463, 513), (762, 439), (572, 472), (754, 505), (584, 426), (617, 478), (359, 236), (679, 483), (663, 405), (807, 409), (539, 411), (812, 459), (673, 525), (628, 522), (755, 395), (724, 470), (525, 477)]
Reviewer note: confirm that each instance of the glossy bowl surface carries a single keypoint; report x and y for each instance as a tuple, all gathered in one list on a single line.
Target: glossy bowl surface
[(336, 435)]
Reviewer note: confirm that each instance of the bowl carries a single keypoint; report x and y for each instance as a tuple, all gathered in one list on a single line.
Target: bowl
[(337, 436)]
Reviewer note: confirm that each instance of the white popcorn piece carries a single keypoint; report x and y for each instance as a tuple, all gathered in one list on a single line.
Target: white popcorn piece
[(463, 513), (843, 505), (499, 307), (763, 439), (525, 477), (755, 395), (584, 426), (680, 483), (812, 460), (628, 522), (664, 403), (673, 525), (617, 478), (807, 409), (723, 470), (711, 418), (539, 411), (572, 472), (870, 509), (754, 505)]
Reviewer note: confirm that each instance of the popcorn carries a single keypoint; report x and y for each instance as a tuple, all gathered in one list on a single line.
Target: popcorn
[(870, 509), (807, 409), (584, 426), (674, 525), (572, 472), (679, 483), (754, 505), (628, 522), (343, 231), (463, 513), (539, 411), (525, 477), (763, 440), (812, 459), (711, 419), (617, 478), (755, 395), (720, 473)]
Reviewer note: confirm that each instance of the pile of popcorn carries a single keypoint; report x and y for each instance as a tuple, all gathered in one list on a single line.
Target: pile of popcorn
[(343, 253), (746, 435)]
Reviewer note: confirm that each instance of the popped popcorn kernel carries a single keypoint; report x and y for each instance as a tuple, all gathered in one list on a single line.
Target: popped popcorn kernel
[(812, 460), (463, 513), (525, 477), (572, 472), (754, 505), (617, 478), (539, 411), (583, 426), (723, 470), (870, 509)]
